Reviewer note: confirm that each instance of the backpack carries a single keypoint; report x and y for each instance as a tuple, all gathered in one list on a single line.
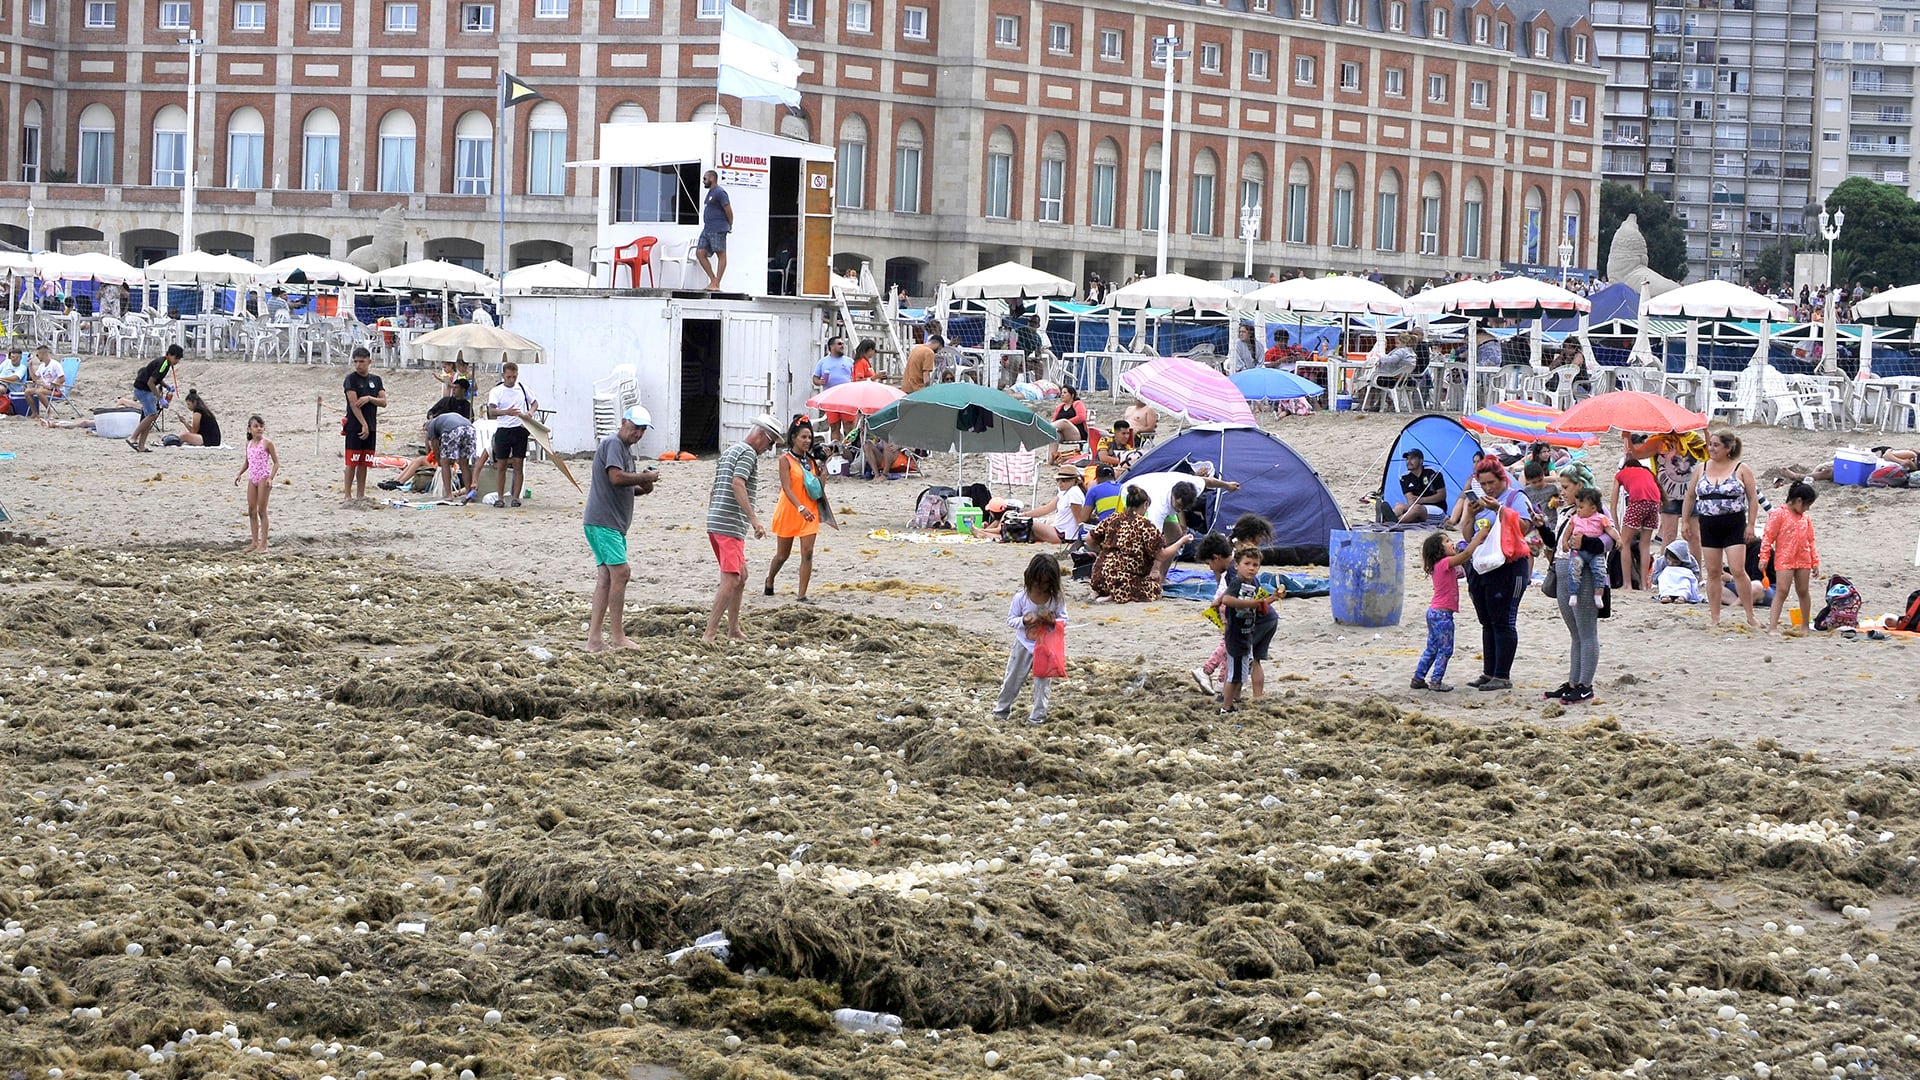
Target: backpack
[(1911, 620), (1894, 476), (1842, 607), (930, 510)]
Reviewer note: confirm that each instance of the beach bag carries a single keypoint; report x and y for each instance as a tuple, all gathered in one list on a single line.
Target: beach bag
[(1550, 581), (1842, 607), (1488, 557), (1016, 529), (1894, 476), (930, 512), (1083, 558), (1911, 620), (1050, 653), (1512, 534), (812, 483)]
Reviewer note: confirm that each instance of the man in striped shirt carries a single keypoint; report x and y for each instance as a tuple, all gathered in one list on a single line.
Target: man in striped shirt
[(729, 516)]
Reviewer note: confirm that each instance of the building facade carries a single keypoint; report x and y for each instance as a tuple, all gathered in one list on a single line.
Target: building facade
[(1416, 137), (1868, 54)]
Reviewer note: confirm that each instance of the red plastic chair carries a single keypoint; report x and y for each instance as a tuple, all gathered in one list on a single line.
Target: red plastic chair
[(640, 259)]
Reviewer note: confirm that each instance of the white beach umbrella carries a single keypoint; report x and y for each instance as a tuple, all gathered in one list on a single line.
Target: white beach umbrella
[(204, 268), (547, 275), (1177, 292), (433, 275), (1903, 301), (1715, 300), (1336, 293), (87, 266), (1009, 281), (317, 269)]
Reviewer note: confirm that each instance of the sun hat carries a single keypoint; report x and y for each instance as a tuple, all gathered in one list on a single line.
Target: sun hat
[(768, 424), (638, 416), (1066, 474)]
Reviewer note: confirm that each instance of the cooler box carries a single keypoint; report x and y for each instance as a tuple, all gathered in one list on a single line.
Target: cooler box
[(1343, 403), (1853, 466), (115, 423), (966, 519)]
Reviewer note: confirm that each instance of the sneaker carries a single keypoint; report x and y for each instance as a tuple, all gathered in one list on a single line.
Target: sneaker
[(514, 502), (1418, 683), (1479, 682), (389, 485), (1439, 687), (998, 715), (1038, 719), (1203, 680), (1579, 695), (1495, 684), (1558, 693)]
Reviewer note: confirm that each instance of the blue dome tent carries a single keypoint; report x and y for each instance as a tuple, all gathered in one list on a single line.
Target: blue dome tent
[(1443, 443), (1275, 482)]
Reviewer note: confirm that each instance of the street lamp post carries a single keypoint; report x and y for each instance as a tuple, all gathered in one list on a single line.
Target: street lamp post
[(1249, 229), (1566, 260), (1166, 50), (1830, 228), (30, 246), (189, 159)]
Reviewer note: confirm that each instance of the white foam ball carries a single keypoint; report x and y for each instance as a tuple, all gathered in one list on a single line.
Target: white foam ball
[(492, 1017)]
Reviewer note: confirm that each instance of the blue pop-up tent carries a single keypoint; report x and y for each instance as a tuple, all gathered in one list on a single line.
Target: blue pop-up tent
[(1444, 445), (1275, 482)]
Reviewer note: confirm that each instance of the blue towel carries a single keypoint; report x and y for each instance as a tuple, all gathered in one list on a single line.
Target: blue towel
[(1200, 585)]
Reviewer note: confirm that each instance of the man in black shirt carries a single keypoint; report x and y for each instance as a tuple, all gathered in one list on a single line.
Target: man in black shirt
[(150, 389), (1420, 488), (366, 394)]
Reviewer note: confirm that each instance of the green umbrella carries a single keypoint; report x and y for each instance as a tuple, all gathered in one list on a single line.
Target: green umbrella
[(962, 418)]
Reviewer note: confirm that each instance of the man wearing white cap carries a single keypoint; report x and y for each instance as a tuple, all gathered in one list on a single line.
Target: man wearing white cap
[(729, 516), (609, 515)]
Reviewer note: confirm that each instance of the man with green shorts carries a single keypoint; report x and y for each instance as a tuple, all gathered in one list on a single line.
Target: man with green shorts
[(609, 515)]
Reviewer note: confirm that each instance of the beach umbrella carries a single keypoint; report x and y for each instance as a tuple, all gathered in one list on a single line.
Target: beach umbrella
[(1175, 291), (865, 397), (1904, 302), (547, 275), (1195, 392), (1625, 410), (1715, 300), (962, 418), (479, 345), (1009, 281), (1502, 298), (314, 269), (204, 268), (87, 266), (433, 275), (1272, 384), (1335, 294), (1525, 422)]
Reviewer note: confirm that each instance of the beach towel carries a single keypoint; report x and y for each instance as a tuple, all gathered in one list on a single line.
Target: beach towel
[(1185, 584)]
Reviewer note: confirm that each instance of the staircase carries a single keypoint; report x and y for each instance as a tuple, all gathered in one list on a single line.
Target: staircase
[(862, 314)]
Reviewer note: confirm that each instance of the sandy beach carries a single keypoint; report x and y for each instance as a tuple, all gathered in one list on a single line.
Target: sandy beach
[(364, 807)]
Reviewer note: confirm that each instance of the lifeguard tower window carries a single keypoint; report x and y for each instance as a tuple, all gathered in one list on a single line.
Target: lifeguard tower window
[(660, 194)]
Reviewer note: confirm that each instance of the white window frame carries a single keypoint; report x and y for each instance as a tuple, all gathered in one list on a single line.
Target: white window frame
[(913, 23), (1210, 57), (1101, 200), (1579, 48), (1257, 64), (1542, 43), (850, 189), (1150, 180), (633, 9), (1299, 209), (1397, 16), (1350, 76), (1354, 10), (176, 15), (176, 176), (799, 12), (999, 178), (1306, 9), (1430, 225), (403, 16), (1115, 39), (860, 16), (102, 156), (1437, 89), (1479, 92), (1305, 70), (1576, 110), (1202, 189), (243, 148), (308, 144), (1386, 221), (405, 151), (1440, 24), (1482, 29), (1501, 35), (1006, 31), (1472, 224), (552, 142), (477, 152), (1060, 39), (711, 9), (1052, 190), (317, 8), (476, 17), (907, 162), (1340, 232), (31, 148), (102, 14), (1394, 82), (1536, 105), (551, 9), (37, 12), (249, 16)]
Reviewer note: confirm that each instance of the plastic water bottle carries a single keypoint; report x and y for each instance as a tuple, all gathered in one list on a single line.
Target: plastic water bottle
[(862, 1022)]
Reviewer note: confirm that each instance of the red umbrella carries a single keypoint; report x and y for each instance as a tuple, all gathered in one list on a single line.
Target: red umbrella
[(863, 396), (1629, 410)]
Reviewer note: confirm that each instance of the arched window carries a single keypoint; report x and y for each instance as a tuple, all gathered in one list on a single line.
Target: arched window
[(1530, 225), (909, 144), (1299, 201), (1000, 148), (547, 149), (1386, 212), (30, 147), (246, 149), (629, 113), (396, 151), (795, 127), (1473, 216), (1343, 184), (170, 147), (708, 113), (1200, 197), (97, 127), (1053, 178), (853, 162), (1572, 210), (473, 154), (320, 151), (1253, 186), (1432, 192), (1105, 187), (1150, 190)]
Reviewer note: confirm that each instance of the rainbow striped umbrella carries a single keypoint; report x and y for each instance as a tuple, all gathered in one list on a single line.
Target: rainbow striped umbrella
[(1524, 422)]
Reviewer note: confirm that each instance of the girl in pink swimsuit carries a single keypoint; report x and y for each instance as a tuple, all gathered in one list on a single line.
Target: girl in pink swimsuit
[(262, 465)]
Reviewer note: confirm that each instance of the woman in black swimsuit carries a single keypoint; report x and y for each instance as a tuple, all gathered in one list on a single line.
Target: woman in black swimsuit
[(197, 424)]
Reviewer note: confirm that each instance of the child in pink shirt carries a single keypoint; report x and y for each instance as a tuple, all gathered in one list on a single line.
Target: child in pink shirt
[(1590, 534), (1789, 541), (1443, 559)]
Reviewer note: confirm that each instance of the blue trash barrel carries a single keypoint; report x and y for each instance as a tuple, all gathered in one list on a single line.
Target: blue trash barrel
[(1368, 575)]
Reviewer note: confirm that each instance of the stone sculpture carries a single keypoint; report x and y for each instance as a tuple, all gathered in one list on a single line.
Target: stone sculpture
[(389, 246)]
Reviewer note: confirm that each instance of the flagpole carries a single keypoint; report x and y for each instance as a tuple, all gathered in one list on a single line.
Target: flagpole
[(500, 179)]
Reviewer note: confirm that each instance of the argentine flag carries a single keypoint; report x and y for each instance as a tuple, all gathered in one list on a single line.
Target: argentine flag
[(756, 62)]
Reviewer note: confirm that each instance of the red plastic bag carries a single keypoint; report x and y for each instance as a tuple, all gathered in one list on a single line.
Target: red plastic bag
[(1050, 653), (1513, 535)]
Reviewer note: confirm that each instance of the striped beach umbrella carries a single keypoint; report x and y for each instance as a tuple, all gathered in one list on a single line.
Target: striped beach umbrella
[(1524, 422)]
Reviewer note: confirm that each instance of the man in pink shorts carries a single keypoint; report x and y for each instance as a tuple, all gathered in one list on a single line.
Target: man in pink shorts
[(730, 515)]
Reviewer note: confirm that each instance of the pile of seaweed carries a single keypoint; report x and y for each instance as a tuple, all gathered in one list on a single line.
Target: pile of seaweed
[(307, 817)]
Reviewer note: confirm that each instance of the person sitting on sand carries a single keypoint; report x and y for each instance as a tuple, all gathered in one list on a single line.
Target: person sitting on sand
[(1128, 550), (198, 426), (1676, 576)]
